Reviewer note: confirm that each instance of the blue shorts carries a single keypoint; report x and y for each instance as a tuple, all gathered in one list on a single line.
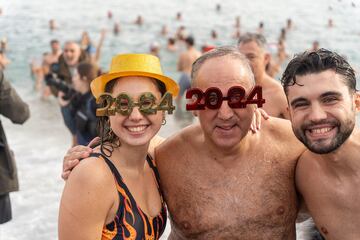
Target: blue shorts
[(184, 83)]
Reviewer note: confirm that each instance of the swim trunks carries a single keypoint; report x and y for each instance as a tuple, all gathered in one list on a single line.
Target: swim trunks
[(184, 83)]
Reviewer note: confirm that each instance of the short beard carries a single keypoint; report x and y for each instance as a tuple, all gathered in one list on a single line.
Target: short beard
[(344, 131)]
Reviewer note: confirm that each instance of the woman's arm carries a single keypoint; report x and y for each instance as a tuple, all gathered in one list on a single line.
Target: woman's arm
[(86, 201)]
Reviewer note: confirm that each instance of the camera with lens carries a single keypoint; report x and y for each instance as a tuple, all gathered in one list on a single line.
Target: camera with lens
[(52, 79)]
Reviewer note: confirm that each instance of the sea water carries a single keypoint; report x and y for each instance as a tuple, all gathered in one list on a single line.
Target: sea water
[(41, 143)]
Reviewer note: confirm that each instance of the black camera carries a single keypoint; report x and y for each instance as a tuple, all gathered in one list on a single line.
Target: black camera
[(54, 80)]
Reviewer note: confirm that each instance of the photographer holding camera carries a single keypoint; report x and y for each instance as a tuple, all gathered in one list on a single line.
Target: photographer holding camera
[(80, 105), (60, 78), (15, 109)]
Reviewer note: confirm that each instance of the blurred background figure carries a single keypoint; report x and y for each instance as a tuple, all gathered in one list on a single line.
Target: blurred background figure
[(15, 109), (206, 47), (330, 23), (164, 30), (3, 44), (282, 36), (60, 80), (116, 29), (82, 106), (315, 46), (39, 71), (236, 34), (237, 22), (4, 61), (181, 33), (281, 53), (109, 14), (214, 34), (218, 7), (186, 59), (155, 49), (171, 44), (139, 20), (260, 29), (93, 52), (179, 16), (289, 24), (52, 24)]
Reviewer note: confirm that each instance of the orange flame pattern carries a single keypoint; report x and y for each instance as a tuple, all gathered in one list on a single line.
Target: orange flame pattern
[(131, 223)]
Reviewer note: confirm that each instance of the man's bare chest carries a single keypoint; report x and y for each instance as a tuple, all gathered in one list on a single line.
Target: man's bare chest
[(232, 201)]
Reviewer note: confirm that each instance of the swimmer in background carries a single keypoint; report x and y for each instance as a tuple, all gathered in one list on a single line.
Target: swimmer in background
[(282, 34), (237, 33), (109, 14), (88, 47), (253, 46), (181, 33), (48, 60), (330, 23), (3, 44), (214, 34), (185, 61), (171, 45), (178, 16), (116, 29), (281, 53), (52, 25), (289, 24), (260, 29), (218, 7), (164, 30), (315, 46), (4, 61), (155, 49), (237, 22), (139, 20)]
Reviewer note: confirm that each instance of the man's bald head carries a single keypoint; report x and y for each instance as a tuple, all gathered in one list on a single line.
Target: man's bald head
[(225, 51)]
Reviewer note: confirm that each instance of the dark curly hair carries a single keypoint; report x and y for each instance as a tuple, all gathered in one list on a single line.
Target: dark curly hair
[(315, 62), (108, 139)]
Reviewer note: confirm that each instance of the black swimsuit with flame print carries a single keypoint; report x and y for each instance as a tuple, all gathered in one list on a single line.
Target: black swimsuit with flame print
[(130, 222)]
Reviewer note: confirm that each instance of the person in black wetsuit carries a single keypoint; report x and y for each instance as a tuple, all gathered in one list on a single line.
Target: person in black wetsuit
[(82, 106)]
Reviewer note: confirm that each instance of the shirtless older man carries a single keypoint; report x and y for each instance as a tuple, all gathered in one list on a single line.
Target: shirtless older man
[(219, 181), (253, 46), (321, 90)]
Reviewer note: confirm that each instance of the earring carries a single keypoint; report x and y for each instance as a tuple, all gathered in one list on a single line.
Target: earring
[(163, 122)]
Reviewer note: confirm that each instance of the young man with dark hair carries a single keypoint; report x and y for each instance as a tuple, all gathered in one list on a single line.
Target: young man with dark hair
[(321, 90)]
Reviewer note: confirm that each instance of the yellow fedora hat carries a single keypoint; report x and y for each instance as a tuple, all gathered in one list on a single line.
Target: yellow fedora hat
[(124, 65)]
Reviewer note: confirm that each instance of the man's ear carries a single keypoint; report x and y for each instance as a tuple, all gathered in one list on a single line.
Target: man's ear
[(267, 58), (356, 98), (289, 113)]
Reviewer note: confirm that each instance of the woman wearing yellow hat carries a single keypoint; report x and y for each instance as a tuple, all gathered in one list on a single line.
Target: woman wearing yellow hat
[(115, 193)]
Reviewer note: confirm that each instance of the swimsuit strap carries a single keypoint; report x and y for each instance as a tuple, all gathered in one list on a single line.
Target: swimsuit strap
[(153, 167), (119, 178), (111, 166)]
